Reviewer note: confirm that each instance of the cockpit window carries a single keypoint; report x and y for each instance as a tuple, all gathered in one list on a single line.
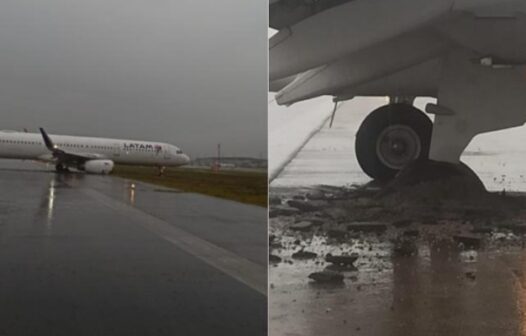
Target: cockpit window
[(179, 151)]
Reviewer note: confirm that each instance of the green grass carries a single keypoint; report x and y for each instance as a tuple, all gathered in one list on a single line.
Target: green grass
[(240, 186)]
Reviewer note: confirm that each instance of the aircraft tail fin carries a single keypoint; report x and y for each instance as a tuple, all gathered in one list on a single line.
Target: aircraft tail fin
[(47, 140)]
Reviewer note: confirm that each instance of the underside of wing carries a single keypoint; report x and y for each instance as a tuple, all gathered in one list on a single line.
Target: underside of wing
[(382, 60), (75, 159), (285, 13), (350, 48), (345, 29)]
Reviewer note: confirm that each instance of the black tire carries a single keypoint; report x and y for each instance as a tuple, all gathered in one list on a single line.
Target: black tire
[(59, 168), (381, 161)]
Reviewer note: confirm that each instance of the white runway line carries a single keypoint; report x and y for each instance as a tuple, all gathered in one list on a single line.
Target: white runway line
[(275, 173), (290, 127), (237, 267)]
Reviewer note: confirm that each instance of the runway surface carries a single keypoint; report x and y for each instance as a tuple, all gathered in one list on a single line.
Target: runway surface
[(99, 255), (440, 289)]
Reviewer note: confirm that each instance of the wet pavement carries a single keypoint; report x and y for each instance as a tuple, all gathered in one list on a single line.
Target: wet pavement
[(98, 255), (404, 271), (418, 266)]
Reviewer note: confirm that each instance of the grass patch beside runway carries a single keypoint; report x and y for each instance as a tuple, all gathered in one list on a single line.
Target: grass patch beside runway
[(242, 186)]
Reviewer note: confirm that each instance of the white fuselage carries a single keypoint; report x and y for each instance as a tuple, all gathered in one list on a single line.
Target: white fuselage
[(30, 146)]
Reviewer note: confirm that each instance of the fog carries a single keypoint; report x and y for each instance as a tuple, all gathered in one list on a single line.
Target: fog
[(192, 73)]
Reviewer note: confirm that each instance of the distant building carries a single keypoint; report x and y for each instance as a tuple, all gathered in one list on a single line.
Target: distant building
[(231, 162)]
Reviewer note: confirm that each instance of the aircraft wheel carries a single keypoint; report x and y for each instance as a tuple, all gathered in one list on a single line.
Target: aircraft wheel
[(390, 138), (61, 168)]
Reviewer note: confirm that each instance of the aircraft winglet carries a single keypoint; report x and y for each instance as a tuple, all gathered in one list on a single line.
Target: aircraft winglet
[(47, 140)]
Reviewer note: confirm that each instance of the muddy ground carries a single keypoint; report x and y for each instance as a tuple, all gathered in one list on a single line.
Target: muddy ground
[(433, 262), (431, 259)]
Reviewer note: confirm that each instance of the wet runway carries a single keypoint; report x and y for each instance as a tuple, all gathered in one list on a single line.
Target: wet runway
[(439, 291), (441, 288), (99, 255)]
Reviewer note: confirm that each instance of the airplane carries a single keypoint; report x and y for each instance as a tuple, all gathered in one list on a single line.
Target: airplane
[(89, 154), (470, 55)]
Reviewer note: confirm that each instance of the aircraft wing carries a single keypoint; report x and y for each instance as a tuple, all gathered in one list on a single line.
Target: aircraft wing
[(468, 54), (348, 48), (63, 156), (285, 13), (345, 28)]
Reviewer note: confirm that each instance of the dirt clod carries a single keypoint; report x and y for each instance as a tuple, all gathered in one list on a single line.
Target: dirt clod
[(468, 241), (326, 277), (274, 259), (342, 260), (337, 234), (471, 276), (367, 227), (307, 206), (303, 255), (274, 200), (301, 226), (402, 223), (282, 210), (404, 247)]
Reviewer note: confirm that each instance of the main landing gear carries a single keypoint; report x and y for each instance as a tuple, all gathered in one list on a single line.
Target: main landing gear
[(60, 168), (161, 170), (390, 138)]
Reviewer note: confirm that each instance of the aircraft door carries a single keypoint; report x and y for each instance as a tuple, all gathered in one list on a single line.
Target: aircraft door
[(162, 152), (115, 149)]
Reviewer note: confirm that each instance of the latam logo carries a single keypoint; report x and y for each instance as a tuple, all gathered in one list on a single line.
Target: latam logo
[(141, 146)]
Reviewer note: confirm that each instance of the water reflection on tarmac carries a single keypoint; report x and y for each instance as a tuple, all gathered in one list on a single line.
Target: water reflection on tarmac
[(98, 255), (440, 290)]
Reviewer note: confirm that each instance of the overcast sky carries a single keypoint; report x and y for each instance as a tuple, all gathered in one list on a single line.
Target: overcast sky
[(192, 73)]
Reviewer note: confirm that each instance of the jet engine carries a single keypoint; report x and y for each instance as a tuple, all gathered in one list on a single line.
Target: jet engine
[(98, 166)]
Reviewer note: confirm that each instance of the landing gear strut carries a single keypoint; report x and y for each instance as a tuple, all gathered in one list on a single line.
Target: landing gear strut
[(161, 170), (391, 137), (60, 168)]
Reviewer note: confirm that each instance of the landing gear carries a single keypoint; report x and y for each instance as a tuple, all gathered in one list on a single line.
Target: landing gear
[(60, 168), (391, 137), (161, 170)]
